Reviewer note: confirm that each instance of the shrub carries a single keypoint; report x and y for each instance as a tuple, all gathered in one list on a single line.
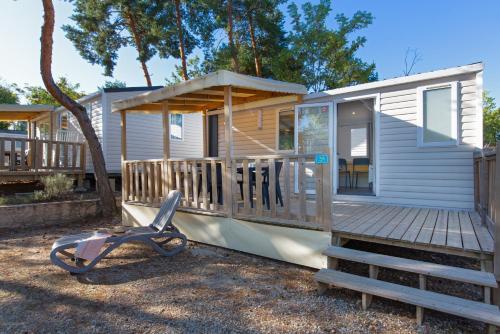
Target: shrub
[(56, 186)]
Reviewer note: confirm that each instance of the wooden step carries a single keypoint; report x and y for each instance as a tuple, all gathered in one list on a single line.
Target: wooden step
[(419, 267), (486, 313)]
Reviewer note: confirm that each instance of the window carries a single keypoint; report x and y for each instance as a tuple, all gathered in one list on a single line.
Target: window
[(437, 115), (64, 122), (286, 129), (359, 142), (312, 128), (176, 126)]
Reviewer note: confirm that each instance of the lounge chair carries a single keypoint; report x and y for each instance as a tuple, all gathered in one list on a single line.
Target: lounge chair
[(161, 228)]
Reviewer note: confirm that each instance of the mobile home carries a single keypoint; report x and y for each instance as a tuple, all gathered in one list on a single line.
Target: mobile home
[(294, 176)]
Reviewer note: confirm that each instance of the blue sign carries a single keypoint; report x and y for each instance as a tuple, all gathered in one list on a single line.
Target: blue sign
[(321, 159)]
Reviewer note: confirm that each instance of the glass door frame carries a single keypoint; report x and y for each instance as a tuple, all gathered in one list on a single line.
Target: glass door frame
[(331, 136), (376, 139)]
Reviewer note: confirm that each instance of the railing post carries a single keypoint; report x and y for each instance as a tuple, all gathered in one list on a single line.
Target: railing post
[(229, 172), (483, 188), (495, 216), (12, 154), (327, 195), (83, 165)]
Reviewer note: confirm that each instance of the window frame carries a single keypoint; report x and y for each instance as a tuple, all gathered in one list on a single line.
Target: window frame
[(170, 127), (454, 115), (278, 112)]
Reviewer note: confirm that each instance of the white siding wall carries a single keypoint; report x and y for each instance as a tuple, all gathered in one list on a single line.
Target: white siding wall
[(191, 145), (433, 177), (144, 133), (94, 110), (426, 176)]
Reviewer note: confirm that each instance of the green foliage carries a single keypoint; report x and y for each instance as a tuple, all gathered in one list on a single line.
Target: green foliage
[(39, 95), (267, 22), (491, 120), (327, 56), (55, 186), (9, 95), (197, 25), (113, 84), (102, 27), (195, 69)]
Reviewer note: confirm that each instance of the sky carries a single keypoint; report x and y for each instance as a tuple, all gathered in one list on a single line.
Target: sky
[(446, 33)]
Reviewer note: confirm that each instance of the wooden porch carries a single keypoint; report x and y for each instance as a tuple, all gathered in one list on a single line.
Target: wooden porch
[(436, 230), (457, 232), (30, 159)]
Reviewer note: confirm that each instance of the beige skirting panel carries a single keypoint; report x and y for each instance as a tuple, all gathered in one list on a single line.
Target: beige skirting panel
[(287, 244)]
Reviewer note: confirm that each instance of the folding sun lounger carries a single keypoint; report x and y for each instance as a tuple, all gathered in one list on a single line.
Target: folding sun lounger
[(160, 229)]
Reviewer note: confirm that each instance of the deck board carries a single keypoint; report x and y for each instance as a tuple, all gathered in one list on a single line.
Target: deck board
[(425, 235), (415, 227), (454, 237), (468, 235), (484, 237), (439, 235), (393, 223), (447, 231)]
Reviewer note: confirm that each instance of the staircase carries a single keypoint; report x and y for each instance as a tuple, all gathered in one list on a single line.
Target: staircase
[(421, 298)]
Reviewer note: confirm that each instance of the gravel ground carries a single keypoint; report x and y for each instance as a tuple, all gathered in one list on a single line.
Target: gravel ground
[(202, 290)]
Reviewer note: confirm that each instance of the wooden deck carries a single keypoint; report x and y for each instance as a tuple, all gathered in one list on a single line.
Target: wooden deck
[(439, 230)]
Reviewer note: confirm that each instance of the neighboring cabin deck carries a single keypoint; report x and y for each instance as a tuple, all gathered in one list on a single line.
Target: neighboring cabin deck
[(24, 159), (438, 230)]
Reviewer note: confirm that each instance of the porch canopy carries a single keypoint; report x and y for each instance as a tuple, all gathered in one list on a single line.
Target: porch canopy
[(28, 113), (217, 90)]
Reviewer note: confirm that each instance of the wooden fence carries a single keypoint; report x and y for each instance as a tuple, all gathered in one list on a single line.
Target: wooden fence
[(486, 178), (20, 154), (282, 189)]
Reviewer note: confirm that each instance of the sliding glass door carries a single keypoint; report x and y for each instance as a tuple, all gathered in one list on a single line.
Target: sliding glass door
[(312, 133)]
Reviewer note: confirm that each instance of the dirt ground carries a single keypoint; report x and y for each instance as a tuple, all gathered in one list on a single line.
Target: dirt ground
[(202, 290)]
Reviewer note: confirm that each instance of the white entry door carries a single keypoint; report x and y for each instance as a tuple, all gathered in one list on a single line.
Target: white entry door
[(312, 133)]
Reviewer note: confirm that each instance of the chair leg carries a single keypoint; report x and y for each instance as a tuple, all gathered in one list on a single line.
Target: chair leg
[(265, 190), (251, 195), (278, 195)]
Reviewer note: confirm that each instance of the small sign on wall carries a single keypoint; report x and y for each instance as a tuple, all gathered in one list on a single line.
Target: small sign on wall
[(321, 159)]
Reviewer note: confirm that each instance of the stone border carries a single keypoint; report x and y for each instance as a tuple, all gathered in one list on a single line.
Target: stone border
[(48, 213)]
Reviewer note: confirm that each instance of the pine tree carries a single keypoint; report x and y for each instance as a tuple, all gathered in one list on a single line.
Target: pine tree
[(102, 27), (327, 56)]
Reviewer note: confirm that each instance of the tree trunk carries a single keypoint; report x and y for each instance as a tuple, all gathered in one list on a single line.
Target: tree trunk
[(181, 39), (234, 53), (138, 45), (258, 67), (103, 187)]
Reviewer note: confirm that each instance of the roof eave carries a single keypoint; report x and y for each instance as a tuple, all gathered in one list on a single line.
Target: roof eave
[(449, 72)]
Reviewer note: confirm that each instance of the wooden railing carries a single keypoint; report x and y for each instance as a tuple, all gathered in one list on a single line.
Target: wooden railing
[(283, 189), (287, 189), (143, 181), (20, 154), (147, 181), (486, 176)]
